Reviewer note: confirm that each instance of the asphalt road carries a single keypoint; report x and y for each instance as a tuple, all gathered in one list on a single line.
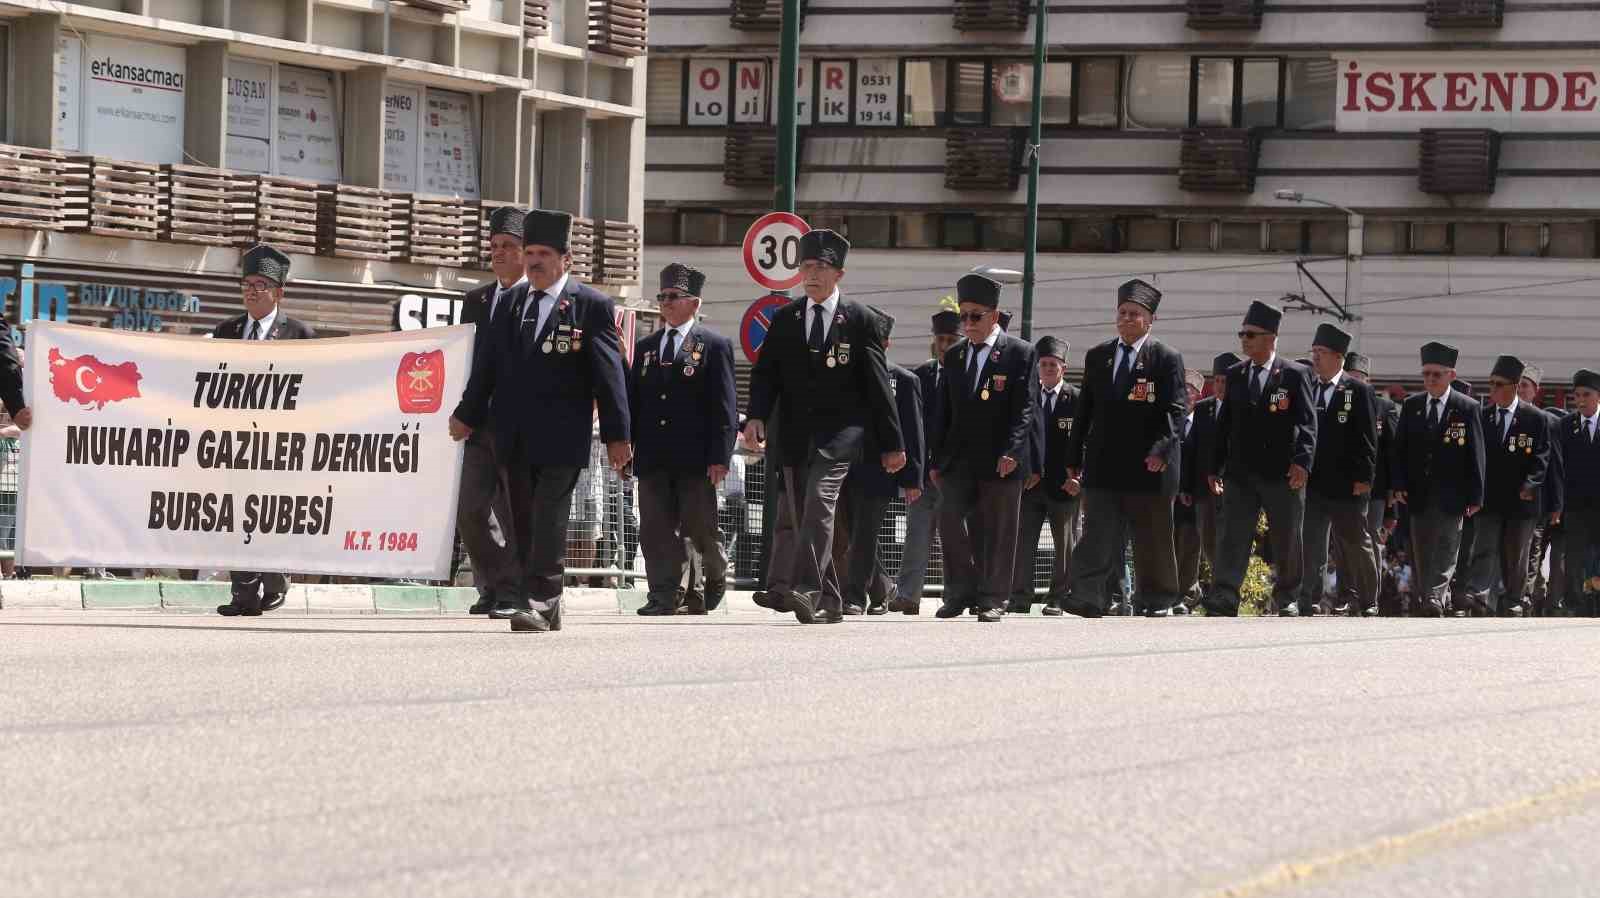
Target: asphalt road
[(170, 755)]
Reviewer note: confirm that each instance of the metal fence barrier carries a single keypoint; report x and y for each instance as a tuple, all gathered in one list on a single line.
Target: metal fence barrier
[(10, 455)]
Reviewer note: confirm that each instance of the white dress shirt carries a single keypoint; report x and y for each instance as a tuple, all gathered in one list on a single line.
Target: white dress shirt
[(682, 331), (546, 305), (1138, 347), (830, 308), (501, 290), (1511, 415), (1325, 393), (265, 325), (983, 349)]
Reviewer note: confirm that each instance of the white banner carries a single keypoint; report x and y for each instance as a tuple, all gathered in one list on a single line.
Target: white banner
[(1504, 91), (133, 100), (303, 456)]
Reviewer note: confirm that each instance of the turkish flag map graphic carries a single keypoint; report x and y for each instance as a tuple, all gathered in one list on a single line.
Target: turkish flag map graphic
[(88, 381)]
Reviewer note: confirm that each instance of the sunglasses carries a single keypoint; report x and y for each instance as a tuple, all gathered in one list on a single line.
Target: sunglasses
[(664, 298), (974, 317), (1497, 383)]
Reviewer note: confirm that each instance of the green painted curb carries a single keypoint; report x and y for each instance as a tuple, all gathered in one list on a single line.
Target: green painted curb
[(193, 595), (406, 598), (457, 599), (129, 594)]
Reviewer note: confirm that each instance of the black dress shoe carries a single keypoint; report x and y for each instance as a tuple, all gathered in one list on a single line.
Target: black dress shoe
[(529, 622), (947, 611), (877, 609), (484, 605), (824, 616), (1082, 609), (504, 608), (1117, 609), (1157, 612), (272, 601), (236, 610), (714, 595), (801, 604), (1051, 611), (904, 606), (1220, 611), (990, 616), (654, 608), (694, 602), (854, 610), (771, 601), (1180, 609)]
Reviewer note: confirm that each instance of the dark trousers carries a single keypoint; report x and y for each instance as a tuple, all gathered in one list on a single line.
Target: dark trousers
[(1580, 537), (802, 537), (1207, 515), (1108, 517), (250, 586), (1186, 546), (1355, 558), (677, 511), (864, 576), (1435, 547), (1500, 548), (541, 506), (494, 568), (978, 524), (1245, 496), (1037, 510)]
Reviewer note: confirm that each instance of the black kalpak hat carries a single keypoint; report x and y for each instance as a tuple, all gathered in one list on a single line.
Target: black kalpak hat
[(947, 321), (1054, 347), (545, 227), (1355, 361), (1464, 387), (824, 245), (979, 289), (507, 220), (1263, 315), (882, 324), (1440, 354), (1329, 336), (679, 276), (1140, 293), (265, 261), (1004, 318), (1586, 378), (1222, 363), (1533, 373), (1509, 367)]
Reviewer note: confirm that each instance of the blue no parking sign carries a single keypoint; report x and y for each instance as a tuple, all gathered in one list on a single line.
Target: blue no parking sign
[(753, 327)]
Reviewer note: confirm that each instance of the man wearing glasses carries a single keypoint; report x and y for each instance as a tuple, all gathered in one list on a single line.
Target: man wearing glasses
[(1516, 464), (822, 368), (985, 454), (1438, 475), (1266, 440), (682, 399), (265, 271), (536, 386), (494, 570), (1123, 453)]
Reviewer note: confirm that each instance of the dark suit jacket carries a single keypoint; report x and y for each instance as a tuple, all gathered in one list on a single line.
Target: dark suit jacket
[(475, 311), (932, 405), (540, 405), (10, 372), (830, 408), (685, 413), (283, 328), (1119, 424), (1518, 461), (1196, 458), (1443, 468), (1555, 477), (1388, 422), (1181, 513), (1051, 433), (1347, 440), (994, 420), (1264, 437), (1581, 460), (868, 473)]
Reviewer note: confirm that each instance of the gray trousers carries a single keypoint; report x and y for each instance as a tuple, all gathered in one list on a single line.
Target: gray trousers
[(1207, 517), (1245, 497), (865, 577), (541, 507), (678, 510), (979, 526), (922, 527), (1356, 558), (494, 568), (1435, 546), (1037, 510), (1500, 548), (1108, 517), (802, 535)]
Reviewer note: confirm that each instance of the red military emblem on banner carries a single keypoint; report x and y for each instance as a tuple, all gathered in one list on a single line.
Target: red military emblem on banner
[(419, 384), (88, 381)]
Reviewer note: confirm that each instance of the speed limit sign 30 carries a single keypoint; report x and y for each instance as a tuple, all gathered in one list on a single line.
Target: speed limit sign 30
[(772, 250)]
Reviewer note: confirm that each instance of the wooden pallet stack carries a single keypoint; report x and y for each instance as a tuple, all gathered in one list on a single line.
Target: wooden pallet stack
[(619, 27), (440, 6), (581, 245), (42, 189), (535, 18), (442, 231), (619, 253), (286, 213), (355, 222), (208, 205), (124, 198)]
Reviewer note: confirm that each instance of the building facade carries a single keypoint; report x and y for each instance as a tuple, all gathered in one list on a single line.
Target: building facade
[(146, 143), (1463, 132)]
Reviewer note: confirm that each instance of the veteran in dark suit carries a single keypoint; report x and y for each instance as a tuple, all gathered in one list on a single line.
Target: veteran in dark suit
[(536, 386), (1203, 436), (1438, 475), (1342, 479), (1381, 517), (685, 415), (494, 567), (869, 489), (1047, 497), (823, 369), (1266, 442), (264, 271), (1516, 462), (1186, 540), (1580, 491), (922, 516), (1125, 453), (983, 456), (1542, 594)]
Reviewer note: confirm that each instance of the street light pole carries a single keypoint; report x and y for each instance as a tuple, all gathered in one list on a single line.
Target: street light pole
[(1355, 226), (1030, 239), (788, 132)]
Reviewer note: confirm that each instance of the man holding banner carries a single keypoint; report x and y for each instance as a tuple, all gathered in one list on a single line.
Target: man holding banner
[(536, 383), (264, 272)]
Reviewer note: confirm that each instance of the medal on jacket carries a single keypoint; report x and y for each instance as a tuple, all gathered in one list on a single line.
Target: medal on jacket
[(831, 361), (1063, 423), (697, 351), (577, 339), (999, 382), (984, 393), (547, 346), (1141, 392), (563, 339), (843, 352), (688, 371)]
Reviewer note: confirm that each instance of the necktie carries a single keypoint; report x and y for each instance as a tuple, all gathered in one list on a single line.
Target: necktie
[(255, 330), (531, 304), (1322, 396), (1255, 383), (1049, 404), (1433, 414), (1500, 422), (1127, 361), (972, 367), (816, 328), (669, 354), (1589, 426)]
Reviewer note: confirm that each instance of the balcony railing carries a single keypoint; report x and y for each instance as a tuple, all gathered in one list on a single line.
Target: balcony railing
[(1225, 15), (1466, 13), (992, 15), (1458, 160), (440, 6), (619, 27), (55, 191), (535, 18)]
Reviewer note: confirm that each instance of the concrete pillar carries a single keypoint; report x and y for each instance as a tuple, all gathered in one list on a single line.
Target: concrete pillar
[(33, 99), (205, 104), (363, 126), (562, 146), (502, 145)]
